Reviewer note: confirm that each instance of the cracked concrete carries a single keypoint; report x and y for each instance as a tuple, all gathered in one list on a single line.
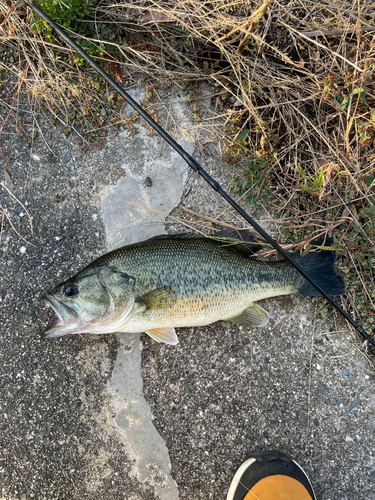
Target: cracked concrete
[(134, 420), (153, 179)]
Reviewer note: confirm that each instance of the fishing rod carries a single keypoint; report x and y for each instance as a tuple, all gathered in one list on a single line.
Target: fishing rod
[(194, 165)]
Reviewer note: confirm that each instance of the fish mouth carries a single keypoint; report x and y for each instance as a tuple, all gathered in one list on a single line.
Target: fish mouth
[(67, 320)]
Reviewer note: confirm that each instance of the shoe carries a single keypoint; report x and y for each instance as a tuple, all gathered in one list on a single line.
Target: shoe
[(270, 475)]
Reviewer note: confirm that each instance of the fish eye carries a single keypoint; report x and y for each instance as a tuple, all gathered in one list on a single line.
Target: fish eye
[(71, 290)]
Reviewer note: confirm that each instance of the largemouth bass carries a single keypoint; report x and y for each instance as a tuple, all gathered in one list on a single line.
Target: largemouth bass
[(180, 281)]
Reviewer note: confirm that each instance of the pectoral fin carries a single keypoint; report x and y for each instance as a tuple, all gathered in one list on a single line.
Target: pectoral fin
[(254, 315), (161, 298), (166, 335)]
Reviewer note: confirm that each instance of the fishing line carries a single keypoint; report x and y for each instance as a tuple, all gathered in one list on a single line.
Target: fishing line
[(194, 165)]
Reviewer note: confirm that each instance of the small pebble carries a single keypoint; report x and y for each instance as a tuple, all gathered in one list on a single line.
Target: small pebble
[(148, 182), (348, 438), (59, 198), (318, 367), (352, 406), (35, 157), (66, 158), (23, 249), (345, 372), (18, 209)]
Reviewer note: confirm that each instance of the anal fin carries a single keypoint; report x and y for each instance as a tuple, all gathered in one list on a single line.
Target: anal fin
[(166, 335), (253, 315)]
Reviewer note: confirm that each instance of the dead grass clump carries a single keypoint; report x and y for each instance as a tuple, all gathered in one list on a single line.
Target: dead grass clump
[(292, 81)]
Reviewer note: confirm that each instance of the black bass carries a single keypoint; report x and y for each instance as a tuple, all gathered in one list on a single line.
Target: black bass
[(180, 281)]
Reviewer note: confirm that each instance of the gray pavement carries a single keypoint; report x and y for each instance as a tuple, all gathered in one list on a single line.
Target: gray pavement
[(120, 416)]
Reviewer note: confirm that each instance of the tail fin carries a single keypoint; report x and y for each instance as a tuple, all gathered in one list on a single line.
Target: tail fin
[(319, 266)]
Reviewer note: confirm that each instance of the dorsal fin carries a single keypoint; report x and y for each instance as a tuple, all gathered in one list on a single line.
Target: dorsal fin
[(241, 239)]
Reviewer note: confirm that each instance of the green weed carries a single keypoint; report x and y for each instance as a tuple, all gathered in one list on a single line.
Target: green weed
[(70, 14)]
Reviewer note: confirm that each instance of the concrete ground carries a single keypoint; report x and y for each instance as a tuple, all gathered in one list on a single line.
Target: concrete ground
[(119, 416)]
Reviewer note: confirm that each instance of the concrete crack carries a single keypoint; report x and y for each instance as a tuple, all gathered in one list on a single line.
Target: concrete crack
[(143, 157)]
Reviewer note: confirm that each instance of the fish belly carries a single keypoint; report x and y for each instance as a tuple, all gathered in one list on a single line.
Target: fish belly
[(201, 310)]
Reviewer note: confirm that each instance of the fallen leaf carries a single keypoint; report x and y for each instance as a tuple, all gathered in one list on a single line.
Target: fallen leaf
[(7, 178), (155, 16), (117, 171), (345, 212)]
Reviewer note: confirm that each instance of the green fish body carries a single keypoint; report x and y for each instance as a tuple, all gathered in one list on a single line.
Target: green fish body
[(168, 282)]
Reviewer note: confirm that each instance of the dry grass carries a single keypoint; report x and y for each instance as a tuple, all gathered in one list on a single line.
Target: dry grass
[(293, 81)]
